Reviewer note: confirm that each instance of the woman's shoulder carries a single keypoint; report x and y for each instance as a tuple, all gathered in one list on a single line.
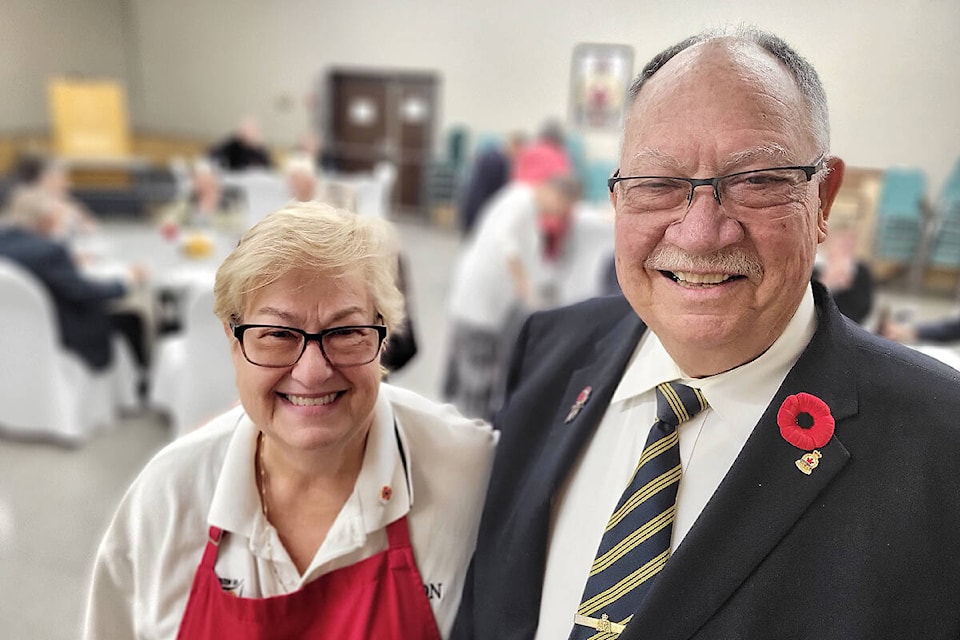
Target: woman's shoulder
[(204, 445), (182, 476), (429, 423)]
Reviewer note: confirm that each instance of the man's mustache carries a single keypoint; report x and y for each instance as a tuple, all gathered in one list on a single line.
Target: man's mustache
[(733, 262)]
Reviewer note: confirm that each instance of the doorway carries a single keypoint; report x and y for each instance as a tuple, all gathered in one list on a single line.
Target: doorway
[(381, 115)]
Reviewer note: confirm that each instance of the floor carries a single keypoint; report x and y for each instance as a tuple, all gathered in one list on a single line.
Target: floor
[(55, 502)]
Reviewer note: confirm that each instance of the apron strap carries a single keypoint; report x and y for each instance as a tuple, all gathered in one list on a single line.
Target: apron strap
[(214, 536), (398, 533)]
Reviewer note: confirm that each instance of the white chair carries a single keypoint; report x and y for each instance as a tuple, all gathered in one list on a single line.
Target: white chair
[(385, 175), (192, 378), (588, 248), (265, 192), (45, 390)]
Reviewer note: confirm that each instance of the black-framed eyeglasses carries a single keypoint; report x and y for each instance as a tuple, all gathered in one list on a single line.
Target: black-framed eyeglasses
[(754, 189), (267, 345)]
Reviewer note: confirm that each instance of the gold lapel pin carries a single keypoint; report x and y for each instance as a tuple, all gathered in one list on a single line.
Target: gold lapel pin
[(809, 461)]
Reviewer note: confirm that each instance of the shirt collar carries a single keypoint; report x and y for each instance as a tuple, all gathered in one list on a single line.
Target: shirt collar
[(384, 489), (236, 501), (730, 392)]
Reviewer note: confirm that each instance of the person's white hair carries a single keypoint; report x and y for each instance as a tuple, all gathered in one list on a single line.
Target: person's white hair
[(319, 239), (31, 208)]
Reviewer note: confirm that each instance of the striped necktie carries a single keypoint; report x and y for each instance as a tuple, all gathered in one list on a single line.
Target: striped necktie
[(636, 543)]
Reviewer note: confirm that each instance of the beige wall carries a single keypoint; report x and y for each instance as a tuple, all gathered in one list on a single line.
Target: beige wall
[(41, 38), (891, 68)]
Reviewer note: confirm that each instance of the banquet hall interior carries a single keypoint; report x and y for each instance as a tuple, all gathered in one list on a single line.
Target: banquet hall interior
[(386, 106)]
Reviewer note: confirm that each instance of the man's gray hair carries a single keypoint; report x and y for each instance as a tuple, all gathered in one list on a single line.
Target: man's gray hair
[(806, 77)]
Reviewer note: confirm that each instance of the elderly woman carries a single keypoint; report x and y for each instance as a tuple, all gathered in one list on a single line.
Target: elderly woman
[(328, 505)]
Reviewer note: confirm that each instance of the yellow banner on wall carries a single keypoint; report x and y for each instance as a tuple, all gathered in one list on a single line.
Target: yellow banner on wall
[(89, 118)]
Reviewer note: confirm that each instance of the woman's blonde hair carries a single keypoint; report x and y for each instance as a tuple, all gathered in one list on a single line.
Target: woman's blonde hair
[(318, 239)]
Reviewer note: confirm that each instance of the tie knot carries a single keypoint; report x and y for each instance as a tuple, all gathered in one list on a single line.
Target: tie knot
[(677, 403)]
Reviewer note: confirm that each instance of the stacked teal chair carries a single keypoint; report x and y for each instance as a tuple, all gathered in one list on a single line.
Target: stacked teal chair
[(946, 246), (595, 188), (577, 151), (900, 215)]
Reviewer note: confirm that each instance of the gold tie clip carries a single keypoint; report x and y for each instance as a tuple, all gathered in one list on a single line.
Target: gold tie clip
[(600, 624)]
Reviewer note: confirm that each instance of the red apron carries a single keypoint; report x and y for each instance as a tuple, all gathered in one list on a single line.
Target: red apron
[(381, 597)]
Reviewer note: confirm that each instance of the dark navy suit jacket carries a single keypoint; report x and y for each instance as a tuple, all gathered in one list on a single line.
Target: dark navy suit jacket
[(864, 547), (80, 303)]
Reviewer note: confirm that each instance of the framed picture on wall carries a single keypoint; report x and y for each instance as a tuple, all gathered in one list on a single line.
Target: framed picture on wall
[(599, 79)]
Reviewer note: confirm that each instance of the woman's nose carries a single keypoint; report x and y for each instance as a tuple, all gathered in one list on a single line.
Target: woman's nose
[(313, 364)]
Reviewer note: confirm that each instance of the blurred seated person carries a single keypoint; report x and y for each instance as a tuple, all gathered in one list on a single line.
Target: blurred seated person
[(945, 330), (243, 149), (300, 174), (844, 274), (293, 515), (546, 156), (504, 273), (206, 204), (312, 144), (305, 184), (29, 236), (489, 173), (50, 176)]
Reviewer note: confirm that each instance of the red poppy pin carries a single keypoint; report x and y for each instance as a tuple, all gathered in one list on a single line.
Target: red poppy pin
[(579, 404), (806, 423)]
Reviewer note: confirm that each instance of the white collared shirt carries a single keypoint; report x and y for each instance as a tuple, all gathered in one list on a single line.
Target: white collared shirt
[(709, 444), (149, 555)]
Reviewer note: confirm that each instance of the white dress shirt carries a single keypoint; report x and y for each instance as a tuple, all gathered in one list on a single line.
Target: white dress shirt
[(147, 560), (709, 444)]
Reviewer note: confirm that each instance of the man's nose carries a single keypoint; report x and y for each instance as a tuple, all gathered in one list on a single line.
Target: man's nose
[(705, 225)]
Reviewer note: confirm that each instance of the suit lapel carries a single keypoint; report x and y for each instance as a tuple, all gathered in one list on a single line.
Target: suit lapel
[(572, 425), (525, 526), (759, 500)]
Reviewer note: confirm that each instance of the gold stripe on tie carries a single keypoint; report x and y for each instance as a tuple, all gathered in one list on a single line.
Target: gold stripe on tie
[(636, 537), (656, 449), (644, 492), (676, 404), (626, 585)]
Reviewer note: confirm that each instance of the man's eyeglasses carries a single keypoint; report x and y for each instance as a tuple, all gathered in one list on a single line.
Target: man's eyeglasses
[(267, 345), (754, 189)]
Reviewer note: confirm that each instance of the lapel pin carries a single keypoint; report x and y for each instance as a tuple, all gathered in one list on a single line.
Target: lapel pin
[(809, 461), (578, 405), (806, 423)]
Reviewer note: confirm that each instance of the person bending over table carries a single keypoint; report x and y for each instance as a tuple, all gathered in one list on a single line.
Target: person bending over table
[(328, 504)]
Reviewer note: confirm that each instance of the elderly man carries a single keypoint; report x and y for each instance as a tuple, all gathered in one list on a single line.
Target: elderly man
[(799, 477), (28, 236)]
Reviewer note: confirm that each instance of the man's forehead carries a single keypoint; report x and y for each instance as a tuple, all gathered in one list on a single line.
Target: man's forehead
[(735, 60), (718, 90)]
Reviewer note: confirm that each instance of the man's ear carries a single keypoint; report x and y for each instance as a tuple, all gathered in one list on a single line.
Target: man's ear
[(828, 188)]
